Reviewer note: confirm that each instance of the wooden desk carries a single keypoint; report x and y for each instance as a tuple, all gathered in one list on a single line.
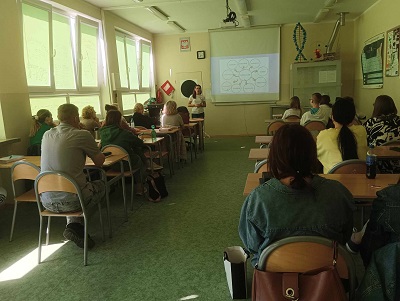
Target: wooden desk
[(264, 139), (384, 152), (172, 143), (358, 184), (258, 153), (32, 159), (149, 143), (9, 141)]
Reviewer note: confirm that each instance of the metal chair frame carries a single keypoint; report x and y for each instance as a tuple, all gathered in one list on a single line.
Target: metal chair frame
[(57, 181), (22, 170)]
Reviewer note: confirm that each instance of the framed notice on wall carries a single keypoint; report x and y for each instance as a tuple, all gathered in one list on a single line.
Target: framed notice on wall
[(392, 52), (372, 62), (184, 44)]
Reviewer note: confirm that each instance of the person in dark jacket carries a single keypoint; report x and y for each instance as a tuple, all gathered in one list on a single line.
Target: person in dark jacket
[(113, 133), (140, 119)]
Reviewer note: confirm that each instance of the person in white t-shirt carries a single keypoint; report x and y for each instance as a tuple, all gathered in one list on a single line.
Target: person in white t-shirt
[(294, 108), (315, 112), (197, 102)]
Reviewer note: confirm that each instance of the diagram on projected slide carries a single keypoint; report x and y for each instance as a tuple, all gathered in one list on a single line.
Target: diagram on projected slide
[(244, 75)]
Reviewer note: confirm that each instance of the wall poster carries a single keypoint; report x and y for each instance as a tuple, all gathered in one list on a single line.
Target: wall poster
[(372, 62), (392, 52), (184, 44)]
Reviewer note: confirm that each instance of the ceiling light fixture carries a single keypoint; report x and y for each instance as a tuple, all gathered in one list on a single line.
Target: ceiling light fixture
[(321, 15), (138, 1), (329, 3), (159, 14), (176, 26)]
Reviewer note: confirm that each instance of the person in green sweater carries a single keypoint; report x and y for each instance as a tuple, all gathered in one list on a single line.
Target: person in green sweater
[(112, 133), (41, 123)]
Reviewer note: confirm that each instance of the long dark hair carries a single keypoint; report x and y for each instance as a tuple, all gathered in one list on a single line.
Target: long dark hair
[(343, 112), (194, 91), (113, 117), (384, 105), (293, 153)]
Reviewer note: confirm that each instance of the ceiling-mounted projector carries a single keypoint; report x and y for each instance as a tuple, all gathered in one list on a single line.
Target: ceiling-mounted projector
[(230, 15)]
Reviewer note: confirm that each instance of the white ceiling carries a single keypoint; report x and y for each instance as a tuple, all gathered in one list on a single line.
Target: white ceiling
[(201, 15)]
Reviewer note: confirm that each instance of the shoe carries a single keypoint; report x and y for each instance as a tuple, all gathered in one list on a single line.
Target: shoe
[(75, 232)]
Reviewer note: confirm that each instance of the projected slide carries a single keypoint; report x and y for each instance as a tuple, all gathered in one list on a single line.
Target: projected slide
[(244, 75)]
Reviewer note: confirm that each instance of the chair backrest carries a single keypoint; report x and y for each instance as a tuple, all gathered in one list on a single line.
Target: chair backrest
[(55, 181), (353, 166), (304, 253), (48, 181), (392, 142), (293, 118), (115, 150), (274, 126), (23, 170), (185, 117), (315, 125), (261, 166)]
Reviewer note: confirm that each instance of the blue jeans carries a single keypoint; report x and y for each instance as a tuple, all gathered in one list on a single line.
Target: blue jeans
[(60, 202)]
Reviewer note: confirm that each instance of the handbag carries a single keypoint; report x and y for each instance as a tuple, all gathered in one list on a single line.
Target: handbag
[(320, 284)]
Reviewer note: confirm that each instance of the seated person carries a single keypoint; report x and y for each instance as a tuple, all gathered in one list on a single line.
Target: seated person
[(139, 119), (383, 226), (295, 201), (344, 141), (383, 126), (184, 112), (124, 123), (315, 112), (41, 123), (294, 108), (171, 118), (64, 148), (326, 109), (90, 120)]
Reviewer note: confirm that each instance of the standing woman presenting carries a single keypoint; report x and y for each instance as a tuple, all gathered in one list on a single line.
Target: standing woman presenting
[(197, 102)]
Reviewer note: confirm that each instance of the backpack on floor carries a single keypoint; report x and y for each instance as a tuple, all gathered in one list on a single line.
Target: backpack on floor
[(157, 189)]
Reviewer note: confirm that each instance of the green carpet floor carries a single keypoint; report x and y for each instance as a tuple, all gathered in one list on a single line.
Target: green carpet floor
[(166, 251)]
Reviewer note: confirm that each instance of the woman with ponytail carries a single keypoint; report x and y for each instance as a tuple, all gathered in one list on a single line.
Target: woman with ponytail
[(344, 141), (295, 201), (41, 123)]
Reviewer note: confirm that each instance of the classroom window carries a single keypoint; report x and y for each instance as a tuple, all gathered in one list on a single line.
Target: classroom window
[(134, 63), (62, 57), (64, 74), (88, 54), (146, 65), (37, 45), (129, 100)]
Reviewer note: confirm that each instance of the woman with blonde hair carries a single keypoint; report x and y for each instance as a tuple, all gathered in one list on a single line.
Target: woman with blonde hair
[(89, 119), (171, 118), (41, 123), (139, 118)]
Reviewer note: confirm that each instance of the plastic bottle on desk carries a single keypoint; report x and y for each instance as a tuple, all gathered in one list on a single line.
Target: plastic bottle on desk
[(371, 162), (153, 134)]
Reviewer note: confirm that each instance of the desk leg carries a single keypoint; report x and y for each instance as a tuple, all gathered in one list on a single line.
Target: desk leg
[(123, 189), (170, 155)]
